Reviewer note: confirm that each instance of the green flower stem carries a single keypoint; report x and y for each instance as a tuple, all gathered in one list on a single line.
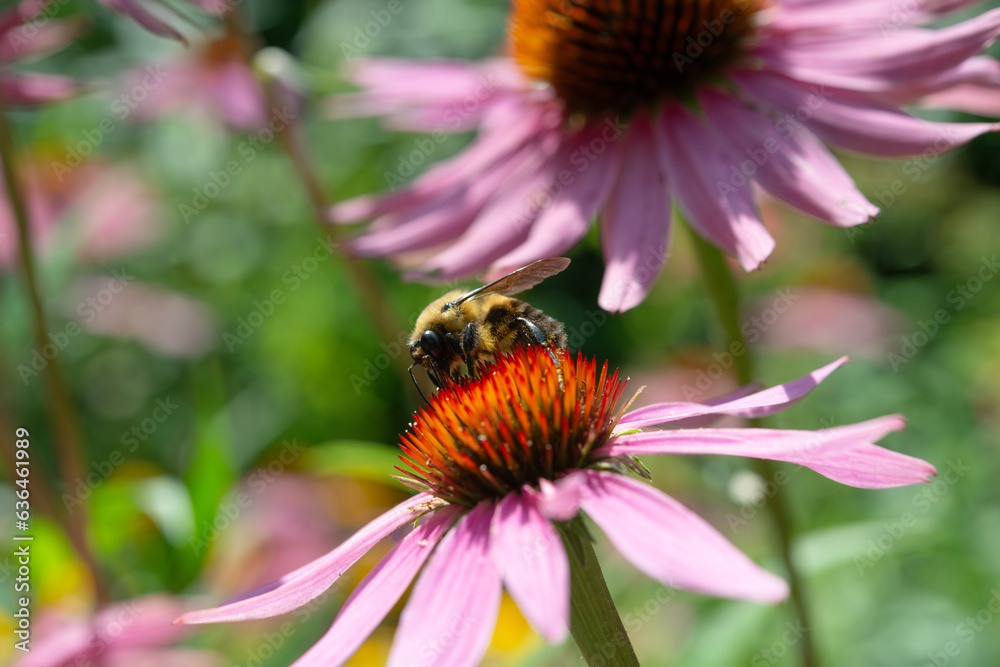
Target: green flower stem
[(725, 296), (594, 620), (373, 300), (65, 426)]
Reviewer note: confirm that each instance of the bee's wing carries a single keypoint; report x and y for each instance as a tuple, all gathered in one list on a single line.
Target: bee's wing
[(518, 281)]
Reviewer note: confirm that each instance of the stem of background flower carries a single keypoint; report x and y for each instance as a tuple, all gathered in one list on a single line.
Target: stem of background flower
[(594, 621), (68, 443), (725, 296), (372, 298)]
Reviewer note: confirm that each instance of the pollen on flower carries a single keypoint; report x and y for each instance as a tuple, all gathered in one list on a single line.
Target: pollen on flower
[(526, 417), (613, 56)]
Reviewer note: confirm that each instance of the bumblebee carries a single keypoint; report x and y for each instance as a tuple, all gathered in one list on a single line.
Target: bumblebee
[(462, 330)]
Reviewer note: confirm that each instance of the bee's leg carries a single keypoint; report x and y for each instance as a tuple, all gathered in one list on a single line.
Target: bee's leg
[(470, 348), (538, 336)]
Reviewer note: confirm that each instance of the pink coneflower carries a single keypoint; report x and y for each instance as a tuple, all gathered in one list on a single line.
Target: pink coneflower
[(132, 633), (503, 461), (616, 108), (213, 80)]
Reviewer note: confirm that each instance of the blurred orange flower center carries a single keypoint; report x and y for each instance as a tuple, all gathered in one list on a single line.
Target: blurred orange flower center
[(612, 56)]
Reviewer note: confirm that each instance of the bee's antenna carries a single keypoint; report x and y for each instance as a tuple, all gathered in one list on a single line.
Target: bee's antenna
[(410, 371)]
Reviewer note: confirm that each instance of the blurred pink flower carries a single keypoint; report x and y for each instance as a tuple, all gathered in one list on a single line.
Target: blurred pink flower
[(102, 211), (827, 320), (135, 633), (213, 80), (614, 114), (499, 459), (162, 320), (26, 33), (284, 527)]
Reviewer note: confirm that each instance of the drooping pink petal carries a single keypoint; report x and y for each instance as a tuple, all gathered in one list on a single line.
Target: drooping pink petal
[(62, 641), (505, 220), (635, 230), (442, 95), (842, 453), (977, 98), (452, 611), (440, 180), (899, 55), (378, 593), (584, 179), (560, 501), (139, 623), (883, 16), (442, 219), (795, 167), (671, 543), (41, 40), (700, 169), (298, 587), (759, 404), (34, 89), (530, 557), (855, 123)]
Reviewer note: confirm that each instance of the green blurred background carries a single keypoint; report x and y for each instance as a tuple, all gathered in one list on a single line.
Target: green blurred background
[(297, 402)]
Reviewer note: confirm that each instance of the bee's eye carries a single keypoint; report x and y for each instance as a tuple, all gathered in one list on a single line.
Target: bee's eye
[(431, 344)]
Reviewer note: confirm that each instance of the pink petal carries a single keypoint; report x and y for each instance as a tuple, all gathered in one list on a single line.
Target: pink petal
[(857, 15), (443, 219), (506, 219), (452, 611), (672, 544), (759, 404), (440, 180), (583, 186), (45, 38), (302, 585), (855, 122), (530, 557), (560, 501), (796, 167), (71, 640), (698, 167), (843, 453), (35, 89), (378, 593), (982, 99), (635, 230), (448, 96), (900, 55)]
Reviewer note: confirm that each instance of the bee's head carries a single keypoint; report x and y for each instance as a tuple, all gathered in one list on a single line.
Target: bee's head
[(428, 348)]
